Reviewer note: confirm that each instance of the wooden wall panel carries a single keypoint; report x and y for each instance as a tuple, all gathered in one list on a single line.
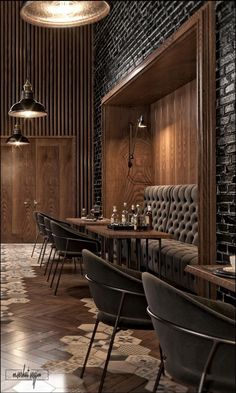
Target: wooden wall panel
[(58, 63), (175, 137), (119, 183)]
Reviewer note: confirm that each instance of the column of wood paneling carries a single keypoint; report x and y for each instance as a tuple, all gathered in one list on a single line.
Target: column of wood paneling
[(59, 64)]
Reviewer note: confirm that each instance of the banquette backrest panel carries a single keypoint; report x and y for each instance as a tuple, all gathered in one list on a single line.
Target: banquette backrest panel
[(175, 210)]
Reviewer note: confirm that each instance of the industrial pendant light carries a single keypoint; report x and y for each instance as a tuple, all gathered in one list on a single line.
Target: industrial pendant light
[(27, 106), (63, 13), (17, 139)]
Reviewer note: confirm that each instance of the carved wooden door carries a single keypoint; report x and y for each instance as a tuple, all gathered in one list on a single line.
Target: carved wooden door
[(39, 176)]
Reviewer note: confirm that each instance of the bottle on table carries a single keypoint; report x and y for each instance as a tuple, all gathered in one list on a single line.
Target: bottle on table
[(148, 218), (83, 213), (138, 219), (96, 209), (131, 215), (114, 216), (124, 215)]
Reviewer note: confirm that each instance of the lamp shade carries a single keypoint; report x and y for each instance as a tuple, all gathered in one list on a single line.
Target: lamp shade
[(63, 13), (17, 139), (27, 106)]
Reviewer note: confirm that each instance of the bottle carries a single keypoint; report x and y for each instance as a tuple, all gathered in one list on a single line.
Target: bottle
[(96, 209), (137, 219), (83, 213), (131, 215), (114, 216), (124, 215), (148, 218)]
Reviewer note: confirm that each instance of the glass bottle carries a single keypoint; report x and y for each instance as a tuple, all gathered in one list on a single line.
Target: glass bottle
[(114, 216), (138, 219), (124, 215), (96, 209), (83, 213), (131, 215), (148, 218)]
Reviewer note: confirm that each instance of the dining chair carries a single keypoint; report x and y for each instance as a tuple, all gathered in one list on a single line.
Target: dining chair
[(197, 336), (69, 244), (119, 298)]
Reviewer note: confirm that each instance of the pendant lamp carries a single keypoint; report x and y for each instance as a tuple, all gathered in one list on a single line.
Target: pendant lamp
[(17, 139), (63, 13), (27, 106)]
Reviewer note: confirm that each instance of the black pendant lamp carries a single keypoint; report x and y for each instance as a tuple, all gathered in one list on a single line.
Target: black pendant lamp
[(17, 139), (63, 13), (27, 107)]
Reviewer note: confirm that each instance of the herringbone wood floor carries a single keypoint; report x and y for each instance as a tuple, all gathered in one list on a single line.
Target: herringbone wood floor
[(33, 335)]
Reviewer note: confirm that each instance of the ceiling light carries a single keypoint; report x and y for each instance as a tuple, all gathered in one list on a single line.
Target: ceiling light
[(27, 107), (17, 139), (63, 13)]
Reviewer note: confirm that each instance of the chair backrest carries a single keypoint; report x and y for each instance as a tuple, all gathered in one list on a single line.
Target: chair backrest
[(187, 353), (106, 285), (62, 235)]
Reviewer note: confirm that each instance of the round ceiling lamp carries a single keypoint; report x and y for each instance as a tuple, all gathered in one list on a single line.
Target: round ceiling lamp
[(27, 107), (63, 13), (17, 139)]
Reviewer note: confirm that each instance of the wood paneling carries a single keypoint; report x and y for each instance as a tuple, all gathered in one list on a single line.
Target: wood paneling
[(39, 176), (174, 122), (58, 63), (121, 184)]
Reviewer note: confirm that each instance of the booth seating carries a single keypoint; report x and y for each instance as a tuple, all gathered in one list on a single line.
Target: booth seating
[(175, 211)]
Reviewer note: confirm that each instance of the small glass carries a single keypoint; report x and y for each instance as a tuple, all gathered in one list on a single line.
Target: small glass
[(83, 213)]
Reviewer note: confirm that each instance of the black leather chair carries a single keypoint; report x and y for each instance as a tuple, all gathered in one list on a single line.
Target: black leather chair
[(120, 300), (69, 244), (197, 336)]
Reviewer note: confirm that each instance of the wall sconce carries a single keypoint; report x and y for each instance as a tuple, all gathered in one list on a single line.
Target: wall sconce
[(17, 139), (63, 13), (133, 138)]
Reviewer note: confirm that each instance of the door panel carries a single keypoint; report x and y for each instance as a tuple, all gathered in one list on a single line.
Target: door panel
[(55, 168), (18, 190), (39, 176)]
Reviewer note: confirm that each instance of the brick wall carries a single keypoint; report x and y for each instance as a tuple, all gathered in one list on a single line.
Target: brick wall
[(126, 37)]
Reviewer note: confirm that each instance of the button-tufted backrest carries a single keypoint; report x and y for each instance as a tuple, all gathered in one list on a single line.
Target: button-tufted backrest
[(183, 215), (159, 199)]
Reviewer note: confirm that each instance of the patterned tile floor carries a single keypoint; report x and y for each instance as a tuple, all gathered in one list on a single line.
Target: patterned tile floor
[(128, 355)]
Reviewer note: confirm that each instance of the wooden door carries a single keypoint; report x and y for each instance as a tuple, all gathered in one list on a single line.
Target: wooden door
[(17, 193), (39, 176)]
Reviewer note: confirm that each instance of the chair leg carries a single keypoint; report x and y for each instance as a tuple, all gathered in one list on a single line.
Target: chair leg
[(41, 251), (158, 378), (162, 360), (44, 250), (50, 270), (54, 274), (81, 266), (89, 349), (46, 267), (107, 359), (35, 244), (59, 276)]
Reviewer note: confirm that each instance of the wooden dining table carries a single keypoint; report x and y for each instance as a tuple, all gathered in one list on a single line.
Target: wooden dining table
[(109, 235)]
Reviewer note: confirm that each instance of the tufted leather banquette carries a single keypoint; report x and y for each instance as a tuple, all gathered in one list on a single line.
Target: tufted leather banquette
[(175, 211)]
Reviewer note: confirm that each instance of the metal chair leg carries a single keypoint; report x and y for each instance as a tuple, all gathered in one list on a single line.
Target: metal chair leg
[(160, 371), (162, 360), (41, 251), (47, 263), (59, 276), (54, 274), (35, 244), (44, 250), (50, 270), (107, 359), (89, 348)]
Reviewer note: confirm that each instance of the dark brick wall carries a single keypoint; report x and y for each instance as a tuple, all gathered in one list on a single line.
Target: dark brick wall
[(126, 37), (225, 129)]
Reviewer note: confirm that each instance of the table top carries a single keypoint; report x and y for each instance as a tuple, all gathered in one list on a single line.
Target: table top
[(128, 234), (206, 272), (84, 221)]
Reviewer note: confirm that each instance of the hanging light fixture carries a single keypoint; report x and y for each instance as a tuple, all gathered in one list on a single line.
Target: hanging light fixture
[(133, 139), (17, 139), (27, 106), (63, 13)]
